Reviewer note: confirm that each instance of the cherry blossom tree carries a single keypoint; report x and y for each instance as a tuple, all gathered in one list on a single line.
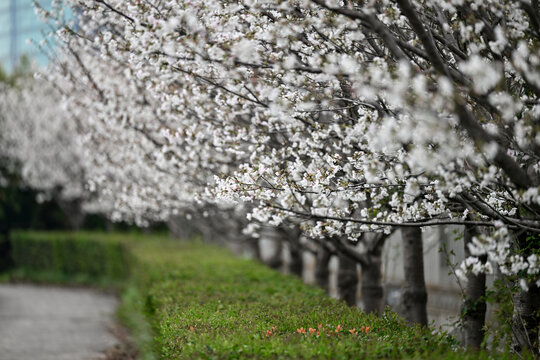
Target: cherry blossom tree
[(38, 142), (345, 117)]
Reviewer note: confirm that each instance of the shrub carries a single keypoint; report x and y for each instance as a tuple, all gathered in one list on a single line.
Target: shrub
[(70, 254)]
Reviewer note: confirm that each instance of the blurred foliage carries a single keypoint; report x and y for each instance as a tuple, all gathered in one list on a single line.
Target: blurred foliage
[(22, 69), (18, 205), (19, 208)]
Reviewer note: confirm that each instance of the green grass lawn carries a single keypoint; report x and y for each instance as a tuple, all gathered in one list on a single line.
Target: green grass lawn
[(206, 303), (189, 300)]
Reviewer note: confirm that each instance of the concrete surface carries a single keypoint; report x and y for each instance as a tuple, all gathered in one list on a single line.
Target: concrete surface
[(54, 323)]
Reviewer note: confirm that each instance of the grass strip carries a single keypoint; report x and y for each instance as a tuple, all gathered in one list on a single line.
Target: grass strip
[(190, 300)]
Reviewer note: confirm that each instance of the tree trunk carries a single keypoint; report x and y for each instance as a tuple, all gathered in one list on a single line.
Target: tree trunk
[(181, 227), (276, 260), (252, 244), (109, 225), (73, 212), (297, 263), (414, 289), (371, 283), (474, 306), (347, 280), (526, 318), (322, 273), (6, 262), (292, 236), (371, 280)]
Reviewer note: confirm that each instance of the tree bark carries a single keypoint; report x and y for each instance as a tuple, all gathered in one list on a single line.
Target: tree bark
[(276, 260), (253, 245), (73, 212), (526, 318), (474, 305), (322, 273), (296, 266), (347, 280), (414, 289), (292, 236), (6, 262), (372, 289), (181, 228), (371, 280)]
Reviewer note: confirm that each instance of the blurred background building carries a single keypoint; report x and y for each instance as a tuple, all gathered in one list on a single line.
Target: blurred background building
[(18, 23)]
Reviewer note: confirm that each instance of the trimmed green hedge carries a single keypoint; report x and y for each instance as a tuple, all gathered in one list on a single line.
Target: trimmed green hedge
[(189, 300), (71, 254)]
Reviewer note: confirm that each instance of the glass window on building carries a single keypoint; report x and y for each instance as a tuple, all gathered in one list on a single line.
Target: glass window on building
[(18, 24)]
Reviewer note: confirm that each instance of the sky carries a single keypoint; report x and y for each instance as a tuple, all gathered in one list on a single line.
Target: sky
[(18, 22)]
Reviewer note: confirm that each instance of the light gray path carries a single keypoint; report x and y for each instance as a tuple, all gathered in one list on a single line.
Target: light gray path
[(54, 323)]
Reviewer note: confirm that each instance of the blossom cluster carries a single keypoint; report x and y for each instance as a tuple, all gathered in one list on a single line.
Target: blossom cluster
[(38, 140)]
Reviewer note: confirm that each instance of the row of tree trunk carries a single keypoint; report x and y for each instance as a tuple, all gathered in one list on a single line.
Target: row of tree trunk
[(526, 320), (414, 291)]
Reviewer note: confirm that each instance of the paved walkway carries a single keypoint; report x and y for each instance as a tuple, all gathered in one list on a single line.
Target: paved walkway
[(54, 323)]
